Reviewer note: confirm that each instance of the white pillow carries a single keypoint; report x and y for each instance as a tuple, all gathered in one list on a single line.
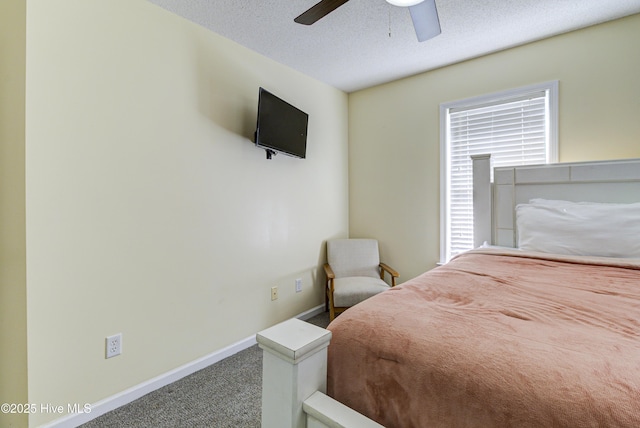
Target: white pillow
[(579, 228)]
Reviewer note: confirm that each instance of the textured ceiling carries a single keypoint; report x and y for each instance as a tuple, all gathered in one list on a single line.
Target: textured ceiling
[(367, 42)]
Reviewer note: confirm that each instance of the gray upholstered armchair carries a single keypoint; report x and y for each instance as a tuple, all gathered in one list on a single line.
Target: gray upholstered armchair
[(354, 273)]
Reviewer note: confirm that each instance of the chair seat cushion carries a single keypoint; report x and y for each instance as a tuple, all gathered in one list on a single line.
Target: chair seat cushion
[(352, 290)]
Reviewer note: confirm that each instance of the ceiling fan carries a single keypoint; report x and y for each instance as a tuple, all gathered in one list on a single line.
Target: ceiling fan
[(423, 13)]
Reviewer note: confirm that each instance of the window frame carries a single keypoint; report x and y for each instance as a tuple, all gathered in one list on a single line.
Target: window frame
[(550, 88)]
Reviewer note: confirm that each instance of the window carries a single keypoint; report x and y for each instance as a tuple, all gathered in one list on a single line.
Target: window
[(517, 127)]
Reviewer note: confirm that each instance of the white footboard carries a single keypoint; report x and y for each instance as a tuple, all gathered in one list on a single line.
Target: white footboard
[(294, 380)]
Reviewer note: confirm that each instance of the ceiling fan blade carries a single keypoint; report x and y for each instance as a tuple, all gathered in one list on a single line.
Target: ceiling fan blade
[(425, 20), (318, 11)]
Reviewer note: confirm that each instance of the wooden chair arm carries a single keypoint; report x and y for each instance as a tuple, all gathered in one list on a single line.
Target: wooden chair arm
[(386, 268), (330, 277), (391, 271), (328, 271)]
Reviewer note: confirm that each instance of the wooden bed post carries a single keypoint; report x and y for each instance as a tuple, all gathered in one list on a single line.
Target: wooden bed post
[(294, 366), (481, 200)]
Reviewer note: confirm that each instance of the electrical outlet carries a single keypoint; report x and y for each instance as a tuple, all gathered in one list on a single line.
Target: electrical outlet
[(298, 285), (274, 293), (113, 345)]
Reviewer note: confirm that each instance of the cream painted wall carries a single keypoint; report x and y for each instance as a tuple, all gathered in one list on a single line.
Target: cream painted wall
[(13, 308), (149, 210), (394, 135)]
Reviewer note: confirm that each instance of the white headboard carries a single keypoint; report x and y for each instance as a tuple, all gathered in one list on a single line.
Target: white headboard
[(494, 203)]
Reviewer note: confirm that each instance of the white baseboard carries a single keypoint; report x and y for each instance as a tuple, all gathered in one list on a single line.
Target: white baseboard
[(311, 313), (135, 392)]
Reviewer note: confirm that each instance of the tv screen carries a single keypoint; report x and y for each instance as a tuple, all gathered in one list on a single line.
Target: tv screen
[(281, 127)]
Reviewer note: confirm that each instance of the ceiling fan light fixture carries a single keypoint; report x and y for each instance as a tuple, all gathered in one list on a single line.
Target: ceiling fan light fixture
[(404, 3)]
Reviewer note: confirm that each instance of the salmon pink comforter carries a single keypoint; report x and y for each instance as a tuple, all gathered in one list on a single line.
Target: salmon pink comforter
[(496, 339)]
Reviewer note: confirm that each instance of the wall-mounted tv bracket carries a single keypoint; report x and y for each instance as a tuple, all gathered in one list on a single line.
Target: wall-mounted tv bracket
[(270, 152)]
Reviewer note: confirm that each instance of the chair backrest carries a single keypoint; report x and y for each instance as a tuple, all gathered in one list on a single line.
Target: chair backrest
[(353, 257)]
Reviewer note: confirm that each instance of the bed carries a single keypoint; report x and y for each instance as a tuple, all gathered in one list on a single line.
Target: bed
[(544, 334), (538, 326)]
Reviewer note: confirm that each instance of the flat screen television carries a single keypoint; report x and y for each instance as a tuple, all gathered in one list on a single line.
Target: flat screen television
[(281, 128)]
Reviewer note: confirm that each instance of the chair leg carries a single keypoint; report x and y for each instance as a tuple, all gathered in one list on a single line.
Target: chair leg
[(326, 300), (332, 309)]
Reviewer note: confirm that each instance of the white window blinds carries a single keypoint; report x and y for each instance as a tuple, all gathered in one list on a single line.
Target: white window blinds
[(515, 131)]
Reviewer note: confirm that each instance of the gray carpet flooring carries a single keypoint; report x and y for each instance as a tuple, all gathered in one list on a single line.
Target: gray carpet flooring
[(225, 394)]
